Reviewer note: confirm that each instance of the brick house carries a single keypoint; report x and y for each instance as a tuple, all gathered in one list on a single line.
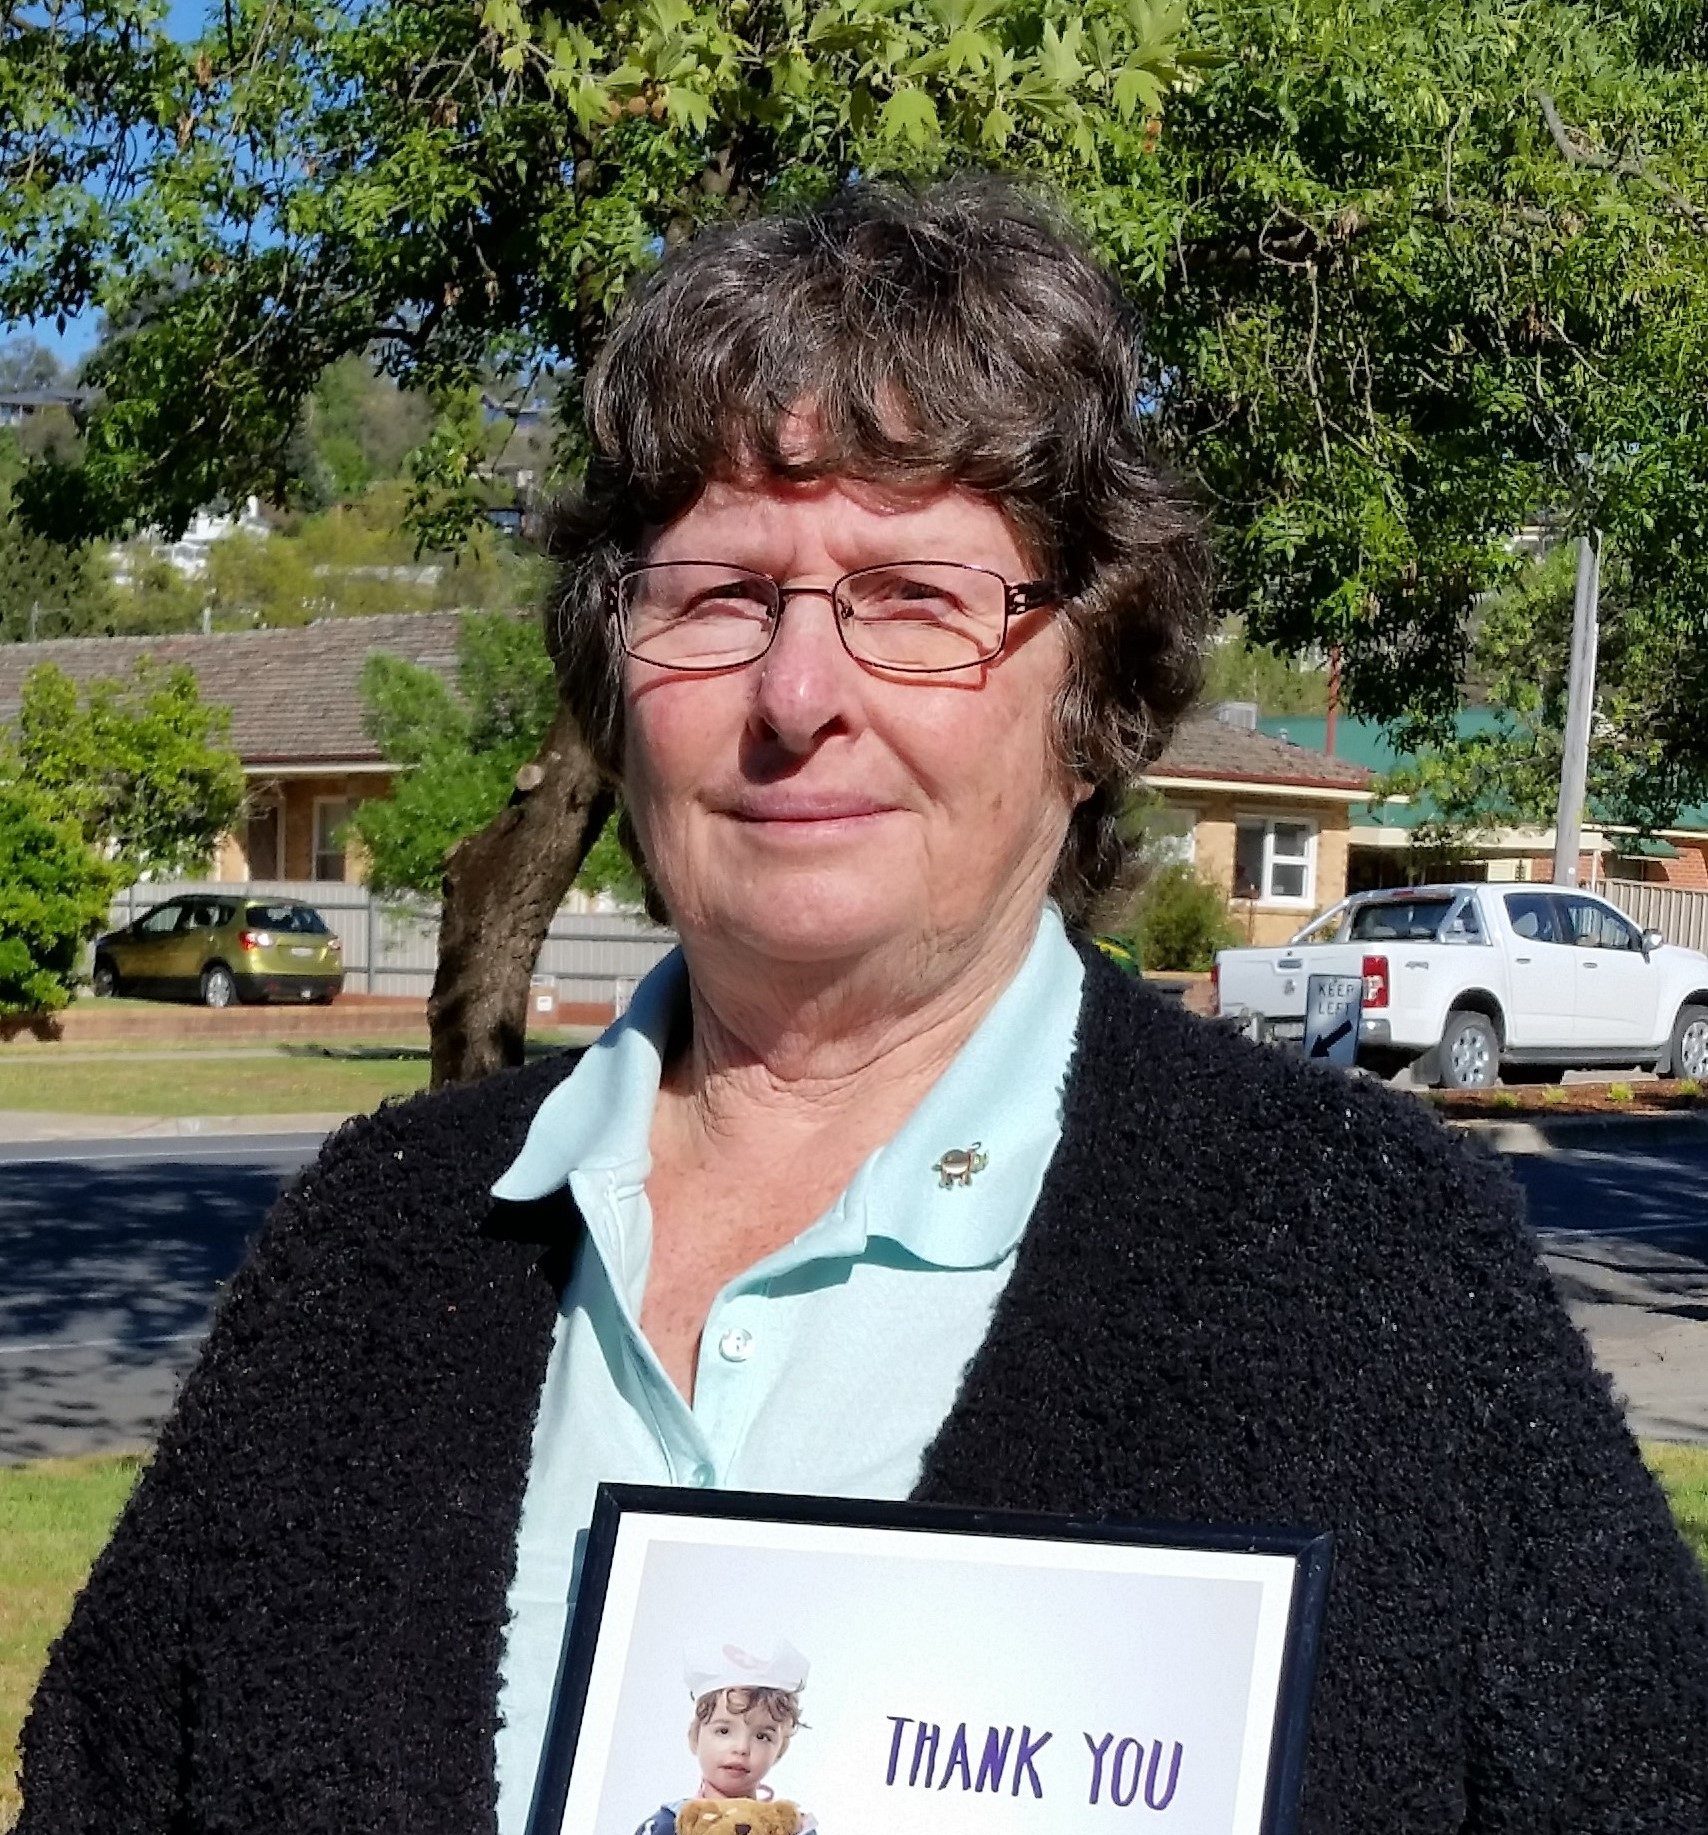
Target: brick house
[(1264, 820)]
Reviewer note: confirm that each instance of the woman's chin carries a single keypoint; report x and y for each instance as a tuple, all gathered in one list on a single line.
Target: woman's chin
[(810, 918)]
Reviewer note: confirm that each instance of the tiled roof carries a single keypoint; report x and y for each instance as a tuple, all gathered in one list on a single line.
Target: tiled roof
[(1205, 747), (294, 694), (295, 698)]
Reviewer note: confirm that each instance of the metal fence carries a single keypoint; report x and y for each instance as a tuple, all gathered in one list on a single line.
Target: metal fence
[(1680, 916), (590, 956)]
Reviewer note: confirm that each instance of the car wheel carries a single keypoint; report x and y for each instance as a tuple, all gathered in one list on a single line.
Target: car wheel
[(1468, 1057), (219, 989), (104, 980), (1690, 1044)]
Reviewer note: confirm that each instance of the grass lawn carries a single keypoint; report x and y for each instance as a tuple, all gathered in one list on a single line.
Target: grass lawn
[(55, 1516), (271, 1085)]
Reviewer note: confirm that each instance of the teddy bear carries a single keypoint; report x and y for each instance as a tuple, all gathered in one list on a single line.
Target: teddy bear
[(736, 1816)]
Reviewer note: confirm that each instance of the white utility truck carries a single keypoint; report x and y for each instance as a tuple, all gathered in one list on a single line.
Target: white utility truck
[(1468, 982)]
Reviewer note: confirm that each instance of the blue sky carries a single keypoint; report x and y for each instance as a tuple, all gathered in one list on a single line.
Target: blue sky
[(184, 19)]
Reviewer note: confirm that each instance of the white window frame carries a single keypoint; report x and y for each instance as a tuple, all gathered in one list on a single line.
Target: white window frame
[(314, 873), (1267, 820)]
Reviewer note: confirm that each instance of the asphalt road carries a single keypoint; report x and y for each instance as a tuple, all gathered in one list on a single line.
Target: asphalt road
[(113, 1253), (1626, 1237)]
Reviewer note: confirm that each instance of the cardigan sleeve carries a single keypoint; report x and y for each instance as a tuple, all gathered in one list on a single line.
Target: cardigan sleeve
[(1591, 1709), (105, 1746)]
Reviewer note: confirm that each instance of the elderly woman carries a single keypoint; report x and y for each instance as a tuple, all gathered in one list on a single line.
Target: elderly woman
[(887, 1185)]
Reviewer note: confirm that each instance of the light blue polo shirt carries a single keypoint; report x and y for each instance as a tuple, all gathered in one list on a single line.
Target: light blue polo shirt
[(827, 1367)]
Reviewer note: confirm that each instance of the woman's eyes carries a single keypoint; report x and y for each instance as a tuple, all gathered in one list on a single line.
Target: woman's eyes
[(728, 602)]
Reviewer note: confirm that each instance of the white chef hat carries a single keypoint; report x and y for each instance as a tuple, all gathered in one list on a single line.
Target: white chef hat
[(712, 1667)]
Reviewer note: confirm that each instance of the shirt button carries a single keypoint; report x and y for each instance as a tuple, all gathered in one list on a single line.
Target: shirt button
[(702, 1475), (736, 1345)]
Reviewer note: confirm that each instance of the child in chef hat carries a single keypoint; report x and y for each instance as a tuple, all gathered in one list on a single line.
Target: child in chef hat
[(747, 1708)]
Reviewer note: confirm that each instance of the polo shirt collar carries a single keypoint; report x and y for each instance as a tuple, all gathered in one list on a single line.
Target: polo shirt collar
[(999, 1097)]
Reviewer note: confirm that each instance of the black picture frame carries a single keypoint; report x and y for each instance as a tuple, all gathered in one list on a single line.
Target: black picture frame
[(1311, 1553)]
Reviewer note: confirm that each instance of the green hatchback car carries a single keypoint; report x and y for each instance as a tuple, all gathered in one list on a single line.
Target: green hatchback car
[(220, 949)]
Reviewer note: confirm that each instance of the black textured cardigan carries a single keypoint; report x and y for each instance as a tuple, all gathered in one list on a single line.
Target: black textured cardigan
[(1251, 1290)]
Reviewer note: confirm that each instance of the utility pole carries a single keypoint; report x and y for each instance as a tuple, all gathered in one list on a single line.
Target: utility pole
[(1574, 764)]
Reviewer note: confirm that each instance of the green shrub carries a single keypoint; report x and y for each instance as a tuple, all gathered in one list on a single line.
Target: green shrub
[(1553, 1095), (54, 894), (1180, 922), (1505, 1099), (1620, 1092), (1688, 1086)]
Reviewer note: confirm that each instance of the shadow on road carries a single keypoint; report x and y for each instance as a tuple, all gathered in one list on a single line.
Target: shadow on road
[(1626, 1240), (112, 1273)]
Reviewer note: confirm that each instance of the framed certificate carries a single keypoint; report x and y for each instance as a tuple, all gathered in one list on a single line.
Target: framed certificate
[(781, 1665)]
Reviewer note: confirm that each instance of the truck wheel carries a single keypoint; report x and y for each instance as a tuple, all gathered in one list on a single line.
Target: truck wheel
[(1690, 1044), (1468, 1057)]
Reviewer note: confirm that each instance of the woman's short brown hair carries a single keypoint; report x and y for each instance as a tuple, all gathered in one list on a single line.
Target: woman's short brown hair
[(960, 332)]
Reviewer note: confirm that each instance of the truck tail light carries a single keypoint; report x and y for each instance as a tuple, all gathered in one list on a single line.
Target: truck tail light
[(1375, 981), (255, 939)]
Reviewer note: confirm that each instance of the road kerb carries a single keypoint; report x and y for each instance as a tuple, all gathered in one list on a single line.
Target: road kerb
[(20, 1126), (1587, 1133)]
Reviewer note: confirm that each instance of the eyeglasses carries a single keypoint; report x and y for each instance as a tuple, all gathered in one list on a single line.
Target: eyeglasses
[(914, 617)]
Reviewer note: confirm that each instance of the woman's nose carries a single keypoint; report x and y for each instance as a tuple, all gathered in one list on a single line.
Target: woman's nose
[(805, 678)]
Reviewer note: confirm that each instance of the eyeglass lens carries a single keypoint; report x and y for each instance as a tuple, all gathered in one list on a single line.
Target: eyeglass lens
[(917, 616)]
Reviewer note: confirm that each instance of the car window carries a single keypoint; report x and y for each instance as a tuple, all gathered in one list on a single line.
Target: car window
[(161, 921), (1413, 919), (1531, 915), (300, 919), (202, 914), (1596, 926), (1464, 926)]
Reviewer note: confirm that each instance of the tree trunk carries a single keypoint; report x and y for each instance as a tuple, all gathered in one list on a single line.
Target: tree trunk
[(502, 888)]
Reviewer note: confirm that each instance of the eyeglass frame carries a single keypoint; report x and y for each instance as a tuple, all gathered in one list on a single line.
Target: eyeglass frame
[(1018, 598)]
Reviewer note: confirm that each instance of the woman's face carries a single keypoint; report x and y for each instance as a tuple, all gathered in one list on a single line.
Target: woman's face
[(812, 809)]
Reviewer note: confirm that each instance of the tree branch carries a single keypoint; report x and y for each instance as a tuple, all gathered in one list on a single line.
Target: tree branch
[(1575, 149)]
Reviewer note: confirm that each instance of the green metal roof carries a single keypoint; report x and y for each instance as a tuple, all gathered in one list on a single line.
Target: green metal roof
[(1366, 742)]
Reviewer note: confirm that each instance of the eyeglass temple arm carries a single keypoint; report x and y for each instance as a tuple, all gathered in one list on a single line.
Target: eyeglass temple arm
[(1028, 595)]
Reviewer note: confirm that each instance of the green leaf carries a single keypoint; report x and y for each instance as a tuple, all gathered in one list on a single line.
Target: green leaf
[(910, 115)]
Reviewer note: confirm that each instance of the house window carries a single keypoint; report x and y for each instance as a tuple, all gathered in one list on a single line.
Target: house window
[(1275, 861), (330, 815)]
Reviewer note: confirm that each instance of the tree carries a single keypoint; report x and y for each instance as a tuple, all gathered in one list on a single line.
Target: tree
[(1503, 771), (1412, 271), (46, 588), (462, 756), (54, 894), (458, 751), (97, 787), (26, 365), (140, 766)]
